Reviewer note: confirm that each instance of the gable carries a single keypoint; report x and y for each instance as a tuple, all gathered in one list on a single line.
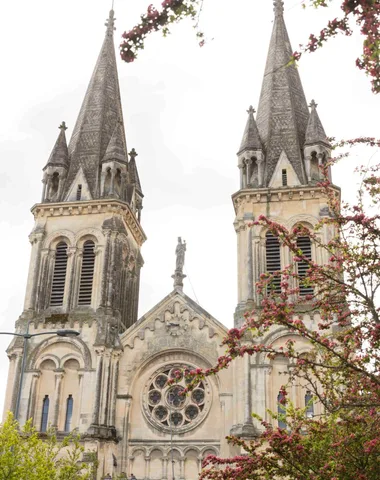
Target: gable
[(283, 164), (79, 179), (177, 320)]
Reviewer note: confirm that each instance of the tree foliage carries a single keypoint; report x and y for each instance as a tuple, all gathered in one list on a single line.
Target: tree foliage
[(26, 456), (365, 13)]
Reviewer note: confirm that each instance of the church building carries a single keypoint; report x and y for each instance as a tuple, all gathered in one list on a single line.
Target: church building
[(110, 383)]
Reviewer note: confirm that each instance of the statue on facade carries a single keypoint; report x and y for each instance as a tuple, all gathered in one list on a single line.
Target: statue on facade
[(179, 264), (180, 254)]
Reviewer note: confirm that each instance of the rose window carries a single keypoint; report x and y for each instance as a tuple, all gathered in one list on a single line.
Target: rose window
[(168, 407)]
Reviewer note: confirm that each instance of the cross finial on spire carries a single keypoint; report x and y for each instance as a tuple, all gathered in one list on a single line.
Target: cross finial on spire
[(63, 126), (313, 104), (251, 110), (110, 23), (278, 7), (133, 153)]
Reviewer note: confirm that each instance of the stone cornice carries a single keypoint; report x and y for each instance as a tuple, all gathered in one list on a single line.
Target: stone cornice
[(89, 207), (281, 194)]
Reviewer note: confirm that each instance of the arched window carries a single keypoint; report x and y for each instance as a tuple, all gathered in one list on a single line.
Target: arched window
[(309, 405), (69, 413), (59, 275), (79, 192), (45, 413), (273, 260), (87, 274), (304, 244), (284, 176), (281, 410)]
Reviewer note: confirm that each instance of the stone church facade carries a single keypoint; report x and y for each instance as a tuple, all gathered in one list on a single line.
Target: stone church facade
[(110, 383)]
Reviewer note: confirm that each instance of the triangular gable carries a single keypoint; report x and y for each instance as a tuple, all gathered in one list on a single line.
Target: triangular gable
[(177, 314), (292, 179), (79, 179)]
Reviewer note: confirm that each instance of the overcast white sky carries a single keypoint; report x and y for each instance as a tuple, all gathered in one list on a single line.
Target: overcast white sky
[(185, 112)]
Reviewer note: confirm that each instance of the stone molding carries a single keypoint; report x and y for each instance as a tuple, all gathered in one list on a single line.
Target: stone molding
[(43, 210)]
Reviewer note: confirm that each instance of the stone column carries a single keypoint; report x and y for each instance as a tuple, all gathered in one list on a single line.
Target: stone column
[(106, 388), (49, 278), (103, 294), (98, 387), (44, 182), (247, 400), (112, 186), (248, 163), (164, 468), (250, 265), (147, 468), (241, 168), (59, 373), (182, 468), (70, 277), (16, 379), (200, 460), (80, 398), (115, 378), (260, 172), (307, 167), (131, 458), (111, 279), (34, 269), (125, 439), (61, 180), (48, 187), (32, 397)]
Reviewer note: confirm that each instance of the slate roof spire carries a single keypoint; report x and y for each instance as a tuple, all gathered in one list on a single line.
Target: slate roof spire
[(283, 113), (98, 117), (315, 133), (251, 138), (59, 155)]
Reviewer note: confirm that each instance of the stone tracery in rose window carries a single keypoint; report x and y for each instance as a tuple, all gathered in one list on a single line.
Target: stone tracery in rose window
[(167, 407)]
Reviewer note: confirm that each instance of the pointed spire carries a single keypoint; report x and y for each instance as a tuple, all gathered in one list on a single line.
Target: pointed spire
[(59, 155), (251, 137), (133, 172), (282, 113), (116, 147), (315, 133), (98, 117)]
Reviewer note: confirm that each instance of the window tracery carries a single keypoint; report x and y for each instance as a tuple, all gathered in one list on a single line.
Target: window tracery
[(167, 406)]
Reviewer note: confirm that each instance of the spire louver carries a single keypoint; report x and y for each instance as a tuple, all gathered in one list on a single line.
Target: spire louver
[(99, 115), (282, 113)]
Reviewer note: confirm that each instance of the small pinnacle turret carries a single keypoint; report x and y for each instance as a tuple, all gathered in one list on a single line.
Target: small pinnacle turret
[(317, 148), (315, 133), (60, 155), (250, 154), (55, 170), (251, 138)]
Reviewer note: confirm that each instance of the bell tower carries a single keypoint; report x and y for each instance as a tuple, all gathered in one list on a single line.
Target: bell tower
[(84, 271), (278, 160)]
